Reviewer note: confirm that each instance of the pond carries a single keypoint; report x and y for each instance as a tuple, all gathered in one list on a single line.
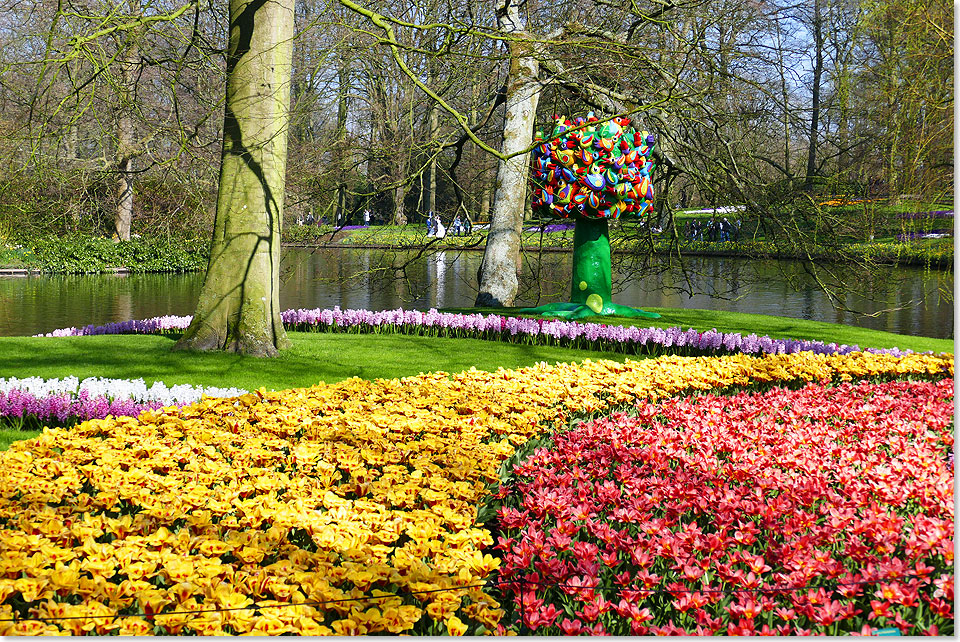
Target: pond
[(376, 280)]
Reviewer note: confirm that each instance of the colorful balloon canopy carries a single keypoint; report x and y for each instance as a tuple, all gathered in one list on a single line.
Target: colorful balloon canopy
[(592, 169)]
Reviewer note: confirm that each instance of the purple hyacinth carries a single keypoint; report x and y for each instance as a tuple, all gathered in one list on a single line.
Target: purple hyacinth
[(493, 326)]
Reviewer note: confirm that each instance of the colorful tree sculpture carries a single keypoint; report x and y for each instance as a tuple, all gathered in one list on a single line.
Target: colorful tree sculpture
[(593, 172)]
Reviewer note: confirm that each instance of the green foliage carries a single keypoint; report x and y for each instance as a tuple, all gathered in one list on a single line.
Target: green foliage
[(307, 233), (83, 201), (929, 252), (173, 207), (81, 253), (16, 256), (33, 205)]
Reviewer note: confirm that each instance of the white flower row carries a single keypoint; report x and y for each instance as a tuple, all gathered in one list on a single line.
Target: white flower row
[(115, 389)]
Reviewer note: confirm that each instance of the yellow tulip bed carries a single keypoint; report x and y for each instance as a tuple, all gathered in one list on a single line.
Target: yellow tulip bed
[(342, 509)]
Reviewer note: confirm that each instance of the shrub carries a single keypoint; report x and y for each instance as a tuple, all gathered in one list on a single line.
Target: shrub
[(80, 253)]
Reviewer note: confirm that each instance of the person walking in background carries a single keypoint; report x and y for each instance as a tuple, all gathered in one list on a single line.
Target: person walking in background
[(366, 217)]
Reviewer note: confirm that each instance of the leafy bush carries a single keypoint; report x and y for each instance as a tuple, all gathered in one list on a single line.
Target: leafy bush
[(307, 233), (79, 254)]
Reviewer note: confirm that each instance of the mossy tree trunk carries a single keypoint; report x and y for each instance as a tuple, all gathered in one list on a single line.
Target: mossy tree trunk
[(129, 61), (501, 255), (239, 306)]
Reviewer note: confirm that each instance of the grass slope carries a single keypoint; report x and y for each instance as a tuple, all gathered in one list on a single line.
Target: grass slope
[(314, 357)]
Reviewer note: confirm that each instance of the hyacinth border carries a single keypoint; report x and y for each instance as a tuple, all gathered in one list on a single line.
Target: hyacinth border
[(34, 403), (613, 338)]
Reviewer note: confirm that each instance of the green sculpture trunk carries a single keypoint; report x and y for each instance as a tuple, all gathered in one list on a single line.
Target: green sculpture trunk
[(592, 280), (591, 292)]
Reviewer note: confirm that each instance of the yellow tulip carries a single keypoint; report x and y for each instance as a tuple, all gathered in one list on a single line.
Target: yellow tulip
[(152, 601), (455, 626), (182, 592), (178, 569), (139, 570), (33, 627), (207, 622), (311, 627), (348, 626), (32, 589), (134, 626), (270, 624), (65, 579), (174, 623)]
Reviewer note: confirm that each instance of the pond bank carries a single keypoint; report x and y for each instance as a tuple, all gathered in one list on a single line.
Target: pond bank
[(894, 254), (92, 255)]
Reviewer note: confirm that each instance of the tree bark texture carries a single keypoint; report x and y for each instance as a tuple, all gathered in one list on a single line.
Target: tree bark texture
[(239, 306), (501, 256), (399, 212), (817, 28), (340, 147), (434, 124), (125, 136)]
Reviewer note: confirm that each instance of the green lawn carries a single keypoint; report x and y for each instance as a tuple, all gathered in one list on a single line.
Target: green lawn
[(315, 357), (328, 357)]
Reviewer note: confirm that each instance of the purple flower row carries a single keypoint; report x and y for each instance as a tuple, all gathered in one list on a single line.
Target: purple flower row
[(921, 215), (154, 325), (910, 236), (627, 339), (24, 409), (553, 227)]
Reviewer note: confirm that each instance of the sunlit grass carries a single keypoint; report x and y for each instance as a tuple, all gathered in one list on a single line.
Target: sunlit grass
[(313, 358)]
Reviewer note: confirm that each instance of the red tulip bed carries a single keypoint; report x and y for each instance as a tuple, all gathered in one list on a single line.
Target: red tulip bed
[(823, 510)]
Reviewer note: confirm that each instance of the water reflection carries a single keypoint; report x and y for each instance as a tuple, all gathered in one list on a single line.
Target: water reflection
[(387, 279)]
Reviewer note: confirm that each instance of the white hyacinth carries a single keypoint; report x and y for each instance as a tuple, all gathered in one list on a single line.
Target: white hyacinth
[(115, 389)]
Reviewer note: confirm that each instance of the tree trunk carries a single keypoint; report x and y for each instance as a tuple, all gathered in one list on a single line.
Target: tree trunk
[(434, 124), (124, 218), (125, 137), (239, 306), (501, 255), (399, 213), (340, 147), (484, 202), (815, 100)]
